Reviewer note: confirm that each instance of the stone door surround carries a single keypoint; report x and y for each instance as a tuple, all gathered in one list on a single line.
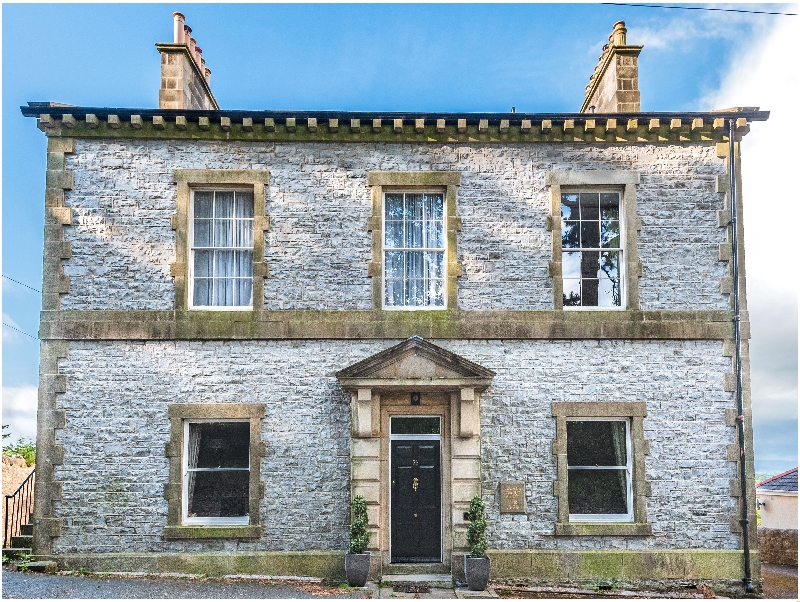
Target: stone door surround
[(449, 386)]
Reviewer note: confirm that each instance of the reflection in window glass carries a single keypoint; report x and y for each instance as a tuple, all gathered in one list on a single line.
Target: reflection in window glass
[(218, 469), (598, 464), (222, 248), (411, 425), (592, 249), (414, 252)]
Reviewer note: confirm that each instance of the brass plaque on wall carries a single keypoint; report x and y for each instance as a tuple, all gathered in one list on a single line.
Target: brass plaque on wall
[(512, 498)]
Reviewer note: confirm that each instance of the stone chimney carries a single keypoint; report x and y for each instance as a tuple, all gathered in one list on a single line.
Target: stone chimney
[(185, 80), (614, 85)]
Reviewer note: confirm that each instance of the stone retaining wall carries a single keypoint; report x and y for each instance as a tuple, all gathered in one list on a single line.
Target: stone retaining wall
[(778, 546)]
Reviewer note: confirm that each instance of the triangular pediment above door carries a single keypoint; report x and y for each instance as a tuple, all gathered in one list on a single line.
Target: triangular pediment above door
[(415, 363)]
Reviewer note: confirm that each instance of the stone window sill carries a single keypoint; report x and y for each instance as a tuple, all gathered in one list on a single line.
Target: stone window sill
[(213, 532), (636, 529)]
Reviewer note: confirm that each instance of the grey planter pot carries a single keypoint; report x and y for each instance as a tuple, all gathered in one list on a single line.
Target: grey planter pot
[(476, 571), (356, 567)]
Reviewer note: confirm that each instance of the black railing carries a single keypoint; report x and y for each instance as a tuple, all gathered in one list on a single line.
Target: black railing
[(19, 507)]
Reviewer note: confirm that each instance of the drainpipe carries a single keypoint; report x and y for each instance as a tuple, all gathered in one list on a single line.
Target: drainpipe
[(744, 521)]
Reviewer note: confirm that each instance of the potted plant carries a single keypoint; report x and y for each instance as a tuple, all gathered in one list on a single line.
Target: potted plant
[(477, 564), (356, 561)]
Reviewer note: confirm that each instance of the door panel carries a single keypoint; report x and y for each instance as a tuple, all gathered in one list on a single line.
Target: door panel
[(416, 501)]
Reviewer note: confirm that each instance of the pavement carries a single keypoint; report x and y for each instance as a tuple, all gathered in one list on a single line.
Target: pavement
[(134, 585), (779, 581)]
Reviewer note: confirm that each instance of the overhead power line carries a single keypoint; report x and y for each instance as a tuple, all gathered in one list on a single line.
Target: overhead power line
[(18, 330), (22, 283), (725, 10)]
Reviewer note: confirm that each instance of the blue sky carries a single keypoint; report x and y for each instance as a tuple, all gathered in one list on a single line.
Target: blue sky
[(415, 57)]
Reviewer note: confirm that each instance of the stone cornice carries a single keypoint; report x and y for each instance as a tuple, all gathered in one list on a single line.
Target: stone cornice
[(377, 324), (338, 126)]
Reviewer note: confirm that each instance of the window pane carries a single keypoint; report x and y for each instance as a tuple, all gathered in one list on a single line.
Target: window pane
[(224, 263), (407, 425), (414, 207), (590, 262), (435, 234), (243, 233), (571, 265), (202, 263), (219, 493), (394, 293), (590, 205), (596, 443), (609, 234), (415, 292), (589, 292), (569, 207), (202, 232), (394, 265), (436, 293), (244, 291), (219, 445), (394, 234), (609, 205), (434, 206), (590, 235), (244, 204), (223, 292), (414, 234), (223, 233), (202, 291), (597, 492), (223, 204), (434, 262), (243, 264), (415, 264), (570, 238), (394, 206), (203, 201), (572, 292)]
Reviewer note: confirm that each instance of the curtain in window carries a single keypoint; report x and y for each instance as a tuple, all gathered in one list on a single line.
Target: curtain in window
[(414, 249), (619, 441), (193, 451), (223, 248)]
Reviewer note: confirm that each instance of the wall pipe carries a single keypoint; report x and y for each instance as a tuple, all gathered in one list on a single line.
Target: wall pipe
[(744, 521)]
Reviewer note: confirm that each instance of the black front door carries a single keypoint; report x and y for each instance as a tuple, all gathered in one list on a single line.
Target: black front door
[(416, 501)]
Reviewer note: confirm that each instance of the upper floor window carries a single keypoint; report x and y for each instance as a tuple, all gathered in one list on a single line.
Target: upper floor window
[(414, 249), (591, 249), (222, 248)]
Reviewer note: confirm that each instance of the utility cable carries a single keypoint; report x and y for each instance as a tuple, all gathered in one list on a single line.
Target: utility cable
[(726, 10), (22, 283), (18, 330)]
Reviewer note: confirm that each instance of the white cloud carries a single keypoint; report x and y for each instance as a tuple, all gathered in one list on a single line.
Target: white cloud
[(766, 76), (689, 28), (19, 411)]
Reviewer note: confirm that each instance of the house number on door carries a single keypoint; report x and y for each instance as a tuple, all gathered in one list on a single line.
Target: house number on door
[(415, 484)]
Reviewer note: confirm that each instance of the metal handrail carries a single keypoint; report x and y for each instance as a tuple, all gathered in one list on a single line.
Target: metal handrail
[(21, 502)]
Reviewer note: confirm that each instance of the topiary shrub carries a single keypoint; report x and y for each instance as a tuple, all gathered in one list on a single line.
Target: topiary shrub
[(476, 529), (359, 536)]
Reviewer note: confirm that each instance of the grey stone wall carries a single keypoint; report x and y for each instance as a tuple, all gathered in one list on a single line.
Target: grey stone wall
[(116, 428), (318, 203)]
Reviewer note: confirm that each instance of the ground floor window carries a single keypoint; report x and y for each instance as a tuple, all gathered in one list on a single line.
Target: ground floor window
[(214, 487), (216, 481), (600, 453), (599, 470)]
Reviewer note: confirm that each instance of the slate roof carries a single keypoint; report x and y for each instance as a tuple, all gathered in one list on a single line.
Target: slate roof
[(786, 481)]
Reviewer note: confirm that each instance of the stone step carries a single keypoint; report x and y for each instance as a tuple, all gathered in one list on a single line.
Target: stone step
[(432, 568), (22, 541), (43, 566), (15, 552), (26, 529), (418, 580)]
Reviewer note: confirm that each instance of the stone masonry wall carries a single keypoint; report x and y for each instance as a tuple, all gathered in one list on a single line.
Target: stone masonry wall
[(116, 427), (318, 202)]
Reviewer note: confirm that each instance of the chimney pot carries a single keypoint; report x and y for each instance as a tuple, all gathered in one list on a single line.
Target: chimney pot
[(618, 36), (208, 76), (179, 28)]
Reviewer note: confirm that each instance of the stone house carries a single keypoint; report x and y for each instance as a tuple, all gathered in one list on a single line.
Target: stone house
[(251, 316)]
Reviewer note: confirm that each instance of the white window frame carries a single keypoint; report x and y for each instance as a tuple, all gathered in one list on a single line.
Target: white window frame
[(608, 518), (443, 250), (208, 520), (623, 272), (190, 242)]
